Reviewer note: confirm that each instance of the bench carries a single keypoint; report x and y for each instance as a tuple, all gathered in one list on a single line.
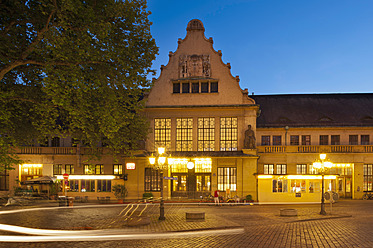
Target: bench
[(195, 216)]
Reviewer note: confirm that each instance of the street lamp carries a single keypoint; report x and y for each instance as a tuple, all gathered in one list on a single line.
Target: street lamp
[(322, 165), (160, 162)]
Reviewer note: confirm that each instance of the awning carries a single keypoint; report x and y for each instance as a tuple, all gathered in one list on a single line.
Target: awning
[(41, 180)]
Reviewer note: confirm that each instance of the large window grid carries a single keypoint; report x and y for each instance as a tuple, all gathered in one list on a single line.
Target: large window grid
[(206, 134), (152, 180), (228, 134), (162, 133), (184, 134), (227, 178), (368, 177)]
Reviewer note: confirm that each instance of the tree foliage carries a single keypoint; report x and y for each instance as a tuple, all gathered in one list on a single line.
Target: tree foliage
[(75, 67)]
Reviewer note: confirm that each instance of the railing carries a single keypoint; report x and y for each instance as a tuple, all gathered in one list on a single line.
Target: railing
[(317, 149)]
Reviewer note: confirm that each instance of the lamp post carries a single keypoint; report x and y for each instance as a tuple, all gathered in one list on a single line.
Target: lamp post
[(160, 162), (322, 165)]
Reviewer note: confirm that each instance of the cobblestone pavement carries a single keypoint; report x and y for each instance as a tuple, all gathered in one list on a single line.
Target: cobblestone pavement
[(349, 224)]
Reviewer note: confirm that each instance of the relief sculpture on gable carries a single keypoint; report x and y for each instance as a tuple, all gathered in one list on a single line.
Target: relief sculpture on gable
[(194, 66)]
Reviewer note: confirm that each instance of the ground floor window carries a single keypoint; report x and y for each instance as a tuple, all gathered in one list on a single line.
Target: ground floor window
[(203, 182), (280, 185), (297, 186), (152, 180), (73, 185), (103, 185), (180, 184), (4, 180), (314, 187), (227, 178), (368, 177), (88, 185)]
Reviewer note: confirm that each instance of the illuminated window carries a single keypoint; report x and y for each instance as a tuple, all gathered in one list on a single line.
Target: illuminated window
[(73, 185), (228, 134), (314, 187), (103, 185), (99, 169), (324, 140), (89, 169), (152, 180), (206, 134), (368, 177), (118, 169), (276, 140), (280, 185), (294, 140), (268, 169), (202, 165), (162, 133), (57, 169), (69, 169), (281, 169), (203, 182), (88, 186), (301, 169), (306, 140), (312, 170), (184, 134), (352, 140), (227, 178), (179, 166), (297, 186), (266, 140)]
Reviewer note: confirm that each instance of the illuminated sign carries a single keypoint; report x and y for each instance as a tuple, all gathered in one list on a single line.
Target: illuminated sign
[(130, 166)]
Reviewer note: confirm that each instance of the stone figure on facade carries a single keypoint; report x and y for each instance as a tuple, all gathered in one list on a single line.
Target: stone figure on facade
[(249, 142)]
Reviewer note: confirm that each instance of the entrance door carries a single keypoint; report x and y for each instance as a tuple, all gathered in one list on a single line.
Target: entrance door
[(191, 184), (348, 187)]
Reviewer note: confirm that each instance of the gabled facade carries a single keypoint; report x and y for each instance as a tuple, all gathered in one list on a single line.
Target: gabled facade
[(240, 145)]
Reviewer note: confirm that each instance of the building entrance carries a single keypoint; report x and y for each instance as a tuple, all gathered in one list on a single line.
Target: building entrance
[(191, 183)]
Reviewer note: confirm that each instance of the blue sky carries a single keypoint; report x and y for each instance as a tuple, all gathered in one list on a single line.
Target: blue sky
[(278, 46)]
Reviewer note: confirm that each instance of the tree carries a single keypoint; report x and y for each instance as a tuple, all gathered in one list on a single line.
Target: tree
[(74, 67)]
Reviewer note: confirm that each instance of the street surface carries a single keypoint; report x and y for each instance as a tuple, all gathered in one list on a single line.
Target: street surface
[(348, 225)]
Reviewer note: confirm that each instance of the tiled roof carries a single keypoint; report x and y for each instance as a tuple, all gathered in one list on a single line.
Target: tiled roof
[(311, 110)]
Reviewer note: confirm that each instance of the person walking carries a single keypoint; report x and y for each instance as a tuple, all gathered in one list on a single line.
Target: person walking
[(216, 197)]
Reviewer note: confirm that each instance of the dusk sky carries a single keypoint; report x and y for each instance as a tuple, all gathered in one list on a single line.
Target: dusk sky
[(278, 46)]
